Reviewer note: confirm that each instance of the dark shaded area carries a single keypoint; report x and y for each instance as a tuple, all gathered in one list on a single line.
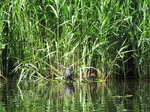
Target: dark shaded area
[(8, 91), (131, 74), (5, 51)]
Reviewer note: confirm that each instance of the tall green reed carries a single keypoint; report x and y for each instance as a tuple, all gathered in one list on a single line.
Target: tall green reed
[(109, 36)]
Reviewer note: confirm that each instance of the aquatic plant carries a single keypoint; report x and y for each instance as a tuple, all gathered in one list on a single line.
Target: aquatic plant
[(111, 36)]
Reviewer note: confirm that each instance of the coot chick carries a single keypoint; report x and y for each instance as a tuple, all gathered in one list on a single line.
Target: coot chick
[(90, 77)]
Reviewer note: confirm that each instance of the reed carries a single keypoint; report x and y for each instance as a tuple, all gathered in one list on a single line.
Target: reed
[(111, 36)]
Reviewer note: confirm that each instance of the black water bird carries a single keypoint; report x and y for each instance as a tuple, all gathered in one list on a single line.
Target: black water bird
[(68, 72)]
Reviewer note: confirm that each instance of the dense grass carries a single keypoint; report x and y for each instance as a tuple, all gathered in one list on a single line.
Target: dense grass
[(109, 36)]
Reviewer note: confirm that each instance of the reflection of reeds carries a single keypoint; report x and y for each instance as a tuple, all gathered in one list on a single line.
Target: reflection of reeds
[(111, 36), (108, 96)]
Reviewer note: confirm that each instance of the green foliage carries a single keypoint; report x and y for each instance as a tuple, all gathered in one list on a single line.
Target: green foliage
[(2, 45), (111, 36)]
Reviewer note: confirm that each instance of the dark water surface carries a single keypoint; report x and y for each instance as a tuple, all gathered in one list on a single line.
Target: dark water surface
[(55, 96)]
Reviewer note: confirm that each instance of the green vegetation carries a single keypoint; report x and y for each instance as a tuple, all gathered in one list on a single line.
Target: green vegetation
[(110, 36)]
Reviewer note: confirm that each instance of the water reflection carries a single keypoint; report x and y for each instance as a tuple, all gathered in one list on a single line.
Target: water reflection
[(50, 96), (69, 89)]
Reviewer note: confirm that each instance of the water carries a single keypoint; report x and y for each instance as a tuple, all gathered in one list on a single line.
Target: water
[(56, 96)]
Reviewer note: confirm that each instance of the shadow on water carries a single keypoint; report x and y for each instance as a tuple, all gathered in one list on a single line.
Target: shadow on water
[(55, 96)]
